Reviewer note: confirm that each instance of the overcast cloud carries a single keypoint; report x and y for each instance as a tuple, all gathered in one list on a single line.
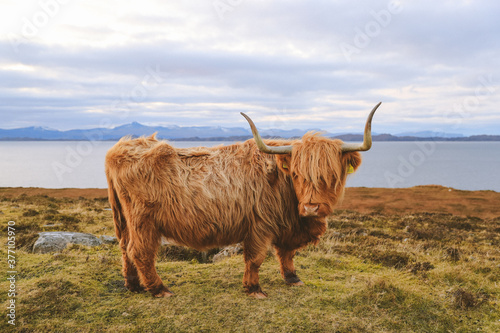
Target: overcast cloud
[(289, 64)]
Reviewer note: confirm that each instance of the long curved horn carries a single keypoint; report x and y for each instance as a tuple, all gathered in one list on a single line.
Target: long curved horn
[(367, 138), (262, 146)]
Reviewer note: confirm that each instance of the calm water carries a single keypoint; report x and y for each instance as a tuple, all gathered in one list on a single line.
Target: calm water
[(460, 165)]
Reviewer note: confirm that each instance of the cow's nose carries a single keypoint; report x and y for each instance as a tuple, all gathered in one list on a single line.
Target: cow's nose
[(311, 210)]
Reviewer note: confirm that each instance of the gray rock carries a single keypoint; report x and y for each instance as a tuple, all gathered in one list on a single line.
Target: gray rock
[(228, 251), (108, 239), (56, 241)]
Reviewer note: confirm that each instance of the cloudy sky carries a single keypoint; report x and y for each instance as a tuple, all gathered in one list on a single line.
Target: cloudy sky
[(289, 64)]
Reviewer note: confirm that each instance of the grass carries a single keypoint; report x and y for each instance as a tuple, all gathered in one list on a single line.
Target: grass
[(372, 272)]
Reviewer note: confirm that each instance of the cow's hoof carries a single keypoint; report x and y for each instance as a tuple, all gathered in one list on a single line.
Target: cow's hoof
[(256, 292), (161, 291), (258, 295), (294, 281), (298, 283)]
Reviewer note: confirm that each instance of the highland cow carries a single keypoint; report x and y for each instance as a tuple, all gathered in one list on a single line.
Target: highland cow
[(259, 193)]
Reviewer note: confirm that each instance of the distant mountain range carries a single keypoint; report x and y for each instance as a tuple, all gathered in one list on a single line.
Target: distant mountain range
[(205, 133), (431, 134)]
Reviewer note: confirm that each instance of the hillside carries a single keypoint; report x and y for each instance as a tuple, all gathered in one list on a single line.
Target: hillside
[(211, 133)]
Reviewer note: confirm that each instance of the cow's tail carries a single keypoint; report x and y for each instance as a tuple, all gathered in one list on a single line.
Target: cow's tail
[(116, 207)]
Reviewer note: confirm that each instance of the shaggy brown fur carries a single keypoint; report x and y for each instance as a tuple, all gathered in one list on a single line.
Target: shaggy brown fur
[(212, 197)]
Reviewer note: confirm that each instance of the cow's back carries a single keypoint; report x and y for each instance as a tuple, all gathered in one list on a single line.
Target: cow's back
[(202, 197)]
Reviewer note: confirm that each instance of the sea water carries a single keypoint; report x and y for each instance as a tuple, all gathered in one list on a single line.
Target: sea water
[(80, 164)]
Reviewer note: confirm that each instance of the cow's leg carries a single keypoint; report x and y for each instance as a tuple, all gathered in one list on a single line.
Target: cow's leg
[(254, 254), (309, 232), (142, 248), (287, 267), (129, 271)]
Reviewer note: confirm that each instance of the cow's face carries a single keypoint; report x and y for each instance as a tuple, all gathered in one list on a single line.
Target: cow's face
[(318, 169), (318, 166)]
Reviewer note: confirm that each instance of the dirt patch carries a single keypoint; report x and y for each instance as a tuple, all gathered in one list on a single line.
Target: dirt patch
[(420, 267), (465, 299), (91, 193), (434, 199)]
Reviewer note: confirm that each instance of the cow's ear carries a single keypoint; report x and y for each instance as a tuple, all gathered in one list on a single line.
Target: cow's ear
[(283, 162), (352, 159)]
